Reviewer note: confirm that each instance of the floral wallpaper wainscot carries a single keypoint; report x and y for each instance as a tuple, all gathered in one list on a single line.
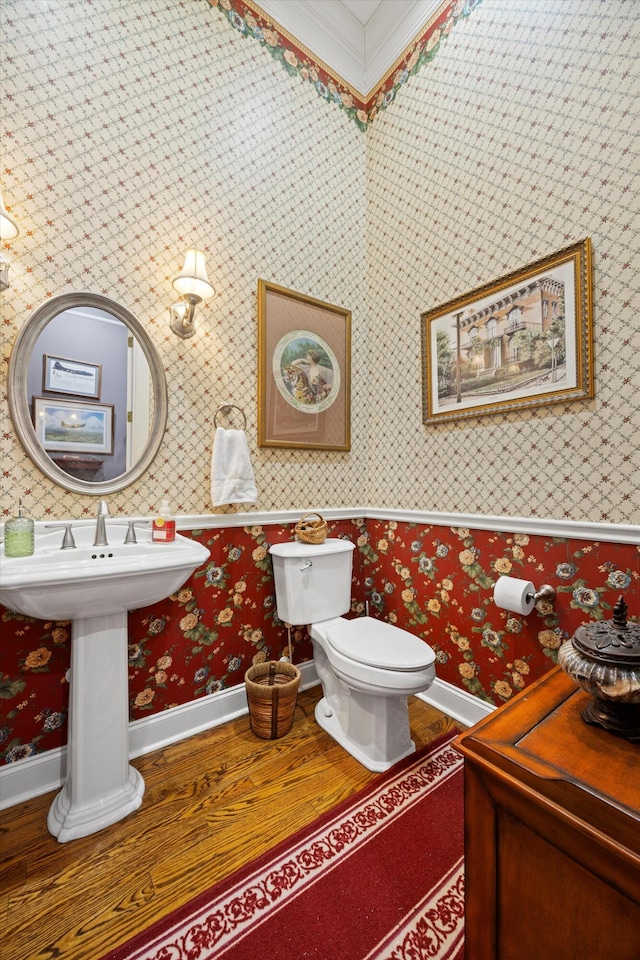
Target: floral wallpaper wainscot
[(437, 582), (199, 641), (34, 658)]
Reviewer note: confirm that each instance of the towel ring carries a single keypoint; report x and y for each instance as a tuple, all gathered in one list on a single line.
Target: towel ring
[(226, 409)]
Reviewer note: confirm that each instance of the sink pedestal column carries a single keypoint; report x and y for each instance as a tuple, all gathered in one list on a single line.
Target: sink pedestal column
[(101, 786)]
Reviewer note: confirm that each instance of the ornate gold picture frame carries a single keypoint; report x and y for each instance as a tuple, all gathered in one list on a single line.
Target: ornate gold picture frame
[(304, 371), (516, 343)]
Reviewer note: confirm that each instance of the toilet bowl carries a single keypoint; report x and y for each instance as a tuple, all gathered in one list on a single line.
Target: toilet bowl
[(367, 667)]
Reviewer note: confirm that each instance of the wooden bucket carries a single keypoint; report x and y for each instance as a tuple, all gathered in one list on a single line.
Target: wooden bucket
[(272, 691)]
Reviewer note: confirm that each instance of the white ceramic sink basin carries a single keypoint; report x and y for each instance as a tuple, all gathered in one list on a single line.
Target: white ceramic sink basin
[(95, 587), (88, 581)]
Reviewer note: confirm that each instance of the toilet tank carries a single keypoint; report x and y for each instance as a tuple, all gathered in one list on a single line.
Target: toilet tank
[(313, 581)]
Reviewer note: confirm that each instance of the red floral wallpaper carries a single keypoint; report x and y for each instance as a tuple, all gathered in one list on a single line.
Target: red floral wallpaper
[(201, 640), (435, 581)]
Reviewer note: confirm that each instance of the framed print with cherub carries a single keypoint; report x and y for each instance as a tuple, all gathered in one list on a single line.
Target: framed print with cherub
[(514, 344), (304, 375)]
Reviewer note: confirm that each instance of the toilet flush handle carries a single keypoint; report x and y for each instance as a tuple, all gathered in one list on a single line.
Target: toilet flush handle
[(305, 566)]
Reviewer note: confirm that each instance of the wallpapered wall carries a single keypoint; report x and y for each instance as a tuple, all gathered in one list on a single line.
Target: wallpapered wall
[(517, 137), (433, 581), (520, 137), (134, 131)]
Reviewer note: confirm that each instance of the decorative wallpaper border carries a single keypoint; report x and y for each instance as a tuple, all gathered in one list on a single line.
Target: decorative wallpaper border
[(248, 19), (422, 50)]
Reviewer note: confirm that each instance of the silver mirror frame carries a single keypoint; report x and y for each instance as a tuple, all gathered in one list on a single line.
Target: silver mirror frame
[(19, 405)]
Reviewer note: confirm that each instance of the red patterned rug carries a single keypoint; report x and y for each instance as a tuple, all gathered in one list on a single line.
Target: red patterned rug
[(379, 877)]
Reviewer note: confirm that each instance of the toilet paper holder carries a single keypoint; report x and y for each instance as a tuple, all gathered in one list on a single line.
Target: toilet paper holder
[(520, 596), (546, 592)]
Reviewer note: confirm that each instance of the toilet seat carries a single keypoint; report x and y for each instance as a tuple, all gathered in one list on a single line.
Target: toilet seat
[(378, 644)]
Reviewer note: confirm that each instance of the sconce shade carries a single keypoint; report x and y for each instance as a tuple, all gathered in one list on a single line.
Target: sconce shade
[(8, 227), (192, 281)]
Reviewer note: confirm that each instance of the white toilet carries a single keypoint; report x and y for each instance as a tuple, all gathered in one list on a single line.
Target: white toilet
[(367, 667)]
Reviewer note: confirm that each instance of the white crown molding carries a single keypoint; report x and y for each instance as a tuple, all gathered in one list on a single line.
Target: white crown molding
[(359, 55), (389, 32), (328, 30)]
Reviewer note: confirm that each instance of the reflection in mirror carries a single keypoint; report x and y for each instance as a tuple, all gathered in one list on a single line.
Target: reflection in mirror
[(78, 390), (87, 393)]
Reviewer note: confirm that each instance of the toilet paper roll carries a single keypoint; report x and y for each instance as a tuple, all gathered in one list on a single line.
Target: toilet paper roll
[(515, 595)]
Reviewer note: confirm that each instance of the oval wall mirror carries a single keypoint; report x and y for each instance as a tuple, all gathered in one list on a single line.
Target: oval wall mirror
[(87, 393)]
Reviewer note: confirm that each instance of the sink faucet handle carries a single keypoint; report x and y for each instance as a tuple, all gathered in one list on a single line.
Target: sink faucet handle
[(131, 530), (68, 543)]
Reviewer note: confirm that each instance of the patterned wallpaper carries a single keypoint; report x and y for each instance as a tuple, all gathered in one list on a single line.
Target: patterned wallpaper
[(522, 136), (518, 137), (133, 131)]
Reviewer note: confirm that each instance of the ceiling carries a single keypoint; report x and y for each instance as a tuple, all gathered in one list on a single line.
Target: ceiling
[(363, 10), (358, 39)]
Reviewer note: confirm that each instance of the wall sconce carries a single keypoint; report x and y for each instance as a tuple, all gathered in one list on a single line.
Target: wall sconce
[(192, 283), (8, 230)]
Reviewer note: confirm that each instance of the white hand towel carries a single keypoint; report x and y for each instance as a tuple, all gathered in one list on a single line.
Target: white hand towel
[(232, 479)]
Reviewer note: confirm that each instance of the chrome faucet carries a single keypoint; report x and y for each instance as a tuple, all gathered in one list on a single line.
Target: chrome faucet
[(100, 539)]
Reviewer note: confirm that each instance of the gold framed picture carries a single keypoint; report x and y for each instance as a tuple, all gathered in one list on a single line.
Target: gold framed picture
[(516, 343), (304, 371)]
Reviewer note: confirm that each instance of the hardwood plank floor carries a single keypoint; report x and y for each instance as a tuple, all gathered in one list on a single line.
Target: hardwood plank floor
[(212, 803)]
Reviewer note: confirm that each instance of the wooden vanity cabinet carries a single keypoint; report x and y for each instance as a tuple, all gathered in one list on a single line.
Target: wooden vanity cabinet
[(552, 832)]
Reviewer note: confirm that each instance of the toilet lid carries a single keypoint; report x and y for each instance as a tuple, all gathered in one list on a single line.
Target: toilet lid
[(378, 644)]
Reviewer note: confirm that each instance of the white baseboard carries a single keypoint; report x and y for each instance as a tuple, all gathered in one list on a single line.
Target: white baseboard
[(33, 776), (44, 772), (456, 703)]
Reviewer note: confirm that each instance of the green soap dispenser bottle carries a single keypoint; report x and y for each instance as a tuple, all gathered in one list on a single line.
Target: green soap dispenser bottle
[(18, 535)]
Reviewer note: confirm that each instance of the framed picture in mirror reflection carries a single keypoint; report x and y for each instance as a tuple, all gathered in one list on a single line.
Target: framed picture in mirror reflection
[(73, 426), (74, 377)]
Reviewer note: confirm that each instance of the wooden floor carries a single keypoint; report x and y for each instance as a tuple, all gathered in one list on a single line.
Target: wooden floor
[(212, 803)]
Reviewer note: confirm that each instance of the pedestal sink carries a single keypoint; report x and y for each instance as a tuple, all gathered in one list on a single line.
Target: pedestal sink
[(95, 587)]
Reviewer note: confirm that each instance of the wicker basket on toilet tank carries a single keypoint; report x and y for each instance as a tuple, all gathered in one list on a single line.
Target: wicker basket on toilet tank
[(309, 530)]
